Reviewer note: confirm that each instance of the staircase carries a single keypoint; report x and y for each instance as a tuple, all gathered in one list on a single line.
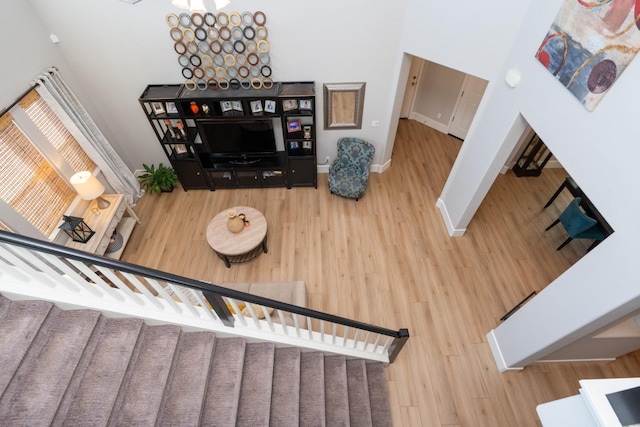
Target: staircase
[(80, 368)]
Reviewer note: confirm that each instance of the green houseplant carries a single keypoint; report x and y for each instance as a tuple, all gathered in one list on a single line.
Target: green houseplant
[(156, 180)]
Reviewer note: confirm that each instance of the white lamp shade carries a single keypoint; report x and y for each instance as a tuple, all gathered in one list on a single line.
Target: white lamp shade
[(197, 6), (182, 4), (87, 185)]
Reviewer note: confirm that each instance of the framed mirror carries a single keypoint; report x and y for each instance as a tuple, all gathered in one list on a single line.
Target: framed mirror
[(343, 105)]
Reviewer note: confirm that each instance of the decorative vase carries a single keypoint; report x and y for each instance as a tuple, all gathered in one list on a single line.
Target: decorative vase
[(194, 107), (235, 223)]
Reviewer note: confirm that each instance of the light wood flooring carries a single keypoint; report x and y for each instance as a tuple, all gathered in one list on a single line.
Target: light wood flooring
[(387, 260)]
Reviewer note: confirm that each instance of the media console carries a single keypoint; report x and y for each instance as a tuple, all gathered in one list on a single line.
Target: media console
[(236, 138)]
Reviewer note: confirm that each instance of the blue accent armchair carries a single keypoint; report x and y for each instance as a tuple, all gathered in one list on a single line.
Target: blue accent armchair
[(349, 172), (577, 224)]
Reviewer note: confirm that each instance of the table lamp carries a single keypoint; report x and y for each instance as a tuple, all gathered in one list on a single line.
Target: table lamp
[(89, 188)]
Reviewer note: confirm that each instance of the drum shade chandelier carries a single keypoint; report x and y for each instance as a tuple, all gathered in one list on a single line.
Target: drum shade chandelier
[(197, 5)]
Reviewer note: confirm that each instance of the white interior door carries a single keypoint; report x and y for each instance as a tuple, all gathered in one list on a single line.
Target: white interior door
[(467, 105), (410, 89)]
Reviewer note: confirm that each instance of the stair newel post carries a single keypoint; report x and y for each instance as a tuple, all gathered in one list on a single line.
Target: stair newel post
[(399, 342), (220, 307)]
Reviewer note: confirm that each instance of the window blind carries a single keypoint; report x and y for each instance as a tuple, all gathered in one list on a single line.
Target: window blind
[(28, 183), (55, 131)]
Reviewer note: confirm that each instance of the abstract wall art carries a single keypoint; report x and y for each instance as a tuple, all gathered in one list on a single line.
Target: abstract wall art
[(589, 45)]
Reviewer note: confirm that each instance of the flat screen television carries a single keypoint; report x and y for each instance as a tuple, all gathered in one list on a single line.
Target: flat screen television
[(239, 140)]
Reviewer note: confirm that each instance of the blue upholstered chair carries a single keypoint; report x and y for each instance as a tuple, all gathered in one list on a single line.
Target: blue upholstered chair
[(577, 224), (349, 172)]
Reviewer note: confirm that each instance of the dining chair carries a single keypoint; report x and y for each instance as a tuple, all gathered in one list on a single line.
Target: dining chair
[(577, 224)]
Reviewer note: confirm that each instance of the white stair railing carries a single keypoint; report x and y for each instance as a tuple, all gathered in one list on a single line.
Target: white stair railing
[(32, 269)]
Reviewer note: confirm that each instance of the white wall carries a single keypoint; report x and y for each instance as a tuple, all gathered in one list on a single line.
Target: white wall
[(117, 49), (437, 93), (598, 149), (467, 35)]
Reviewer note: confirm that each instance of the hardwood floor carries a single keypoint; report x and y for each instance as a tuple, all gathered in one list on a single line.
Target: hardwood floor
[(387, 259)]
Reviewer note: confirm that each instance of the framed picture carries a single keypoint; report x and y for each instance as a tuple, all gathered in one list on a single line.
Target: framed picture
[(294, 126), (171, 108), (256, 107), (180, 149), (270, 106), (225, 106), (305, 104), (306, 144), (236, 105), (157, 108), (307, 131), (294, 145), (290, 104)]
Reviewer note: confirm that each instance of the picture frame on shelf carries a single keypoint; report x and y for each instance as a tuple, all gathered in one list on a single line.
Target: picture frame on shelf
[(158, 108), (180, 149), (294, 145), (306, 130), (289, 104), (225, 106), (305, 104), (306, 144), (256, 107), (294, 126), (171, 107), (236, 106), (270, 106)]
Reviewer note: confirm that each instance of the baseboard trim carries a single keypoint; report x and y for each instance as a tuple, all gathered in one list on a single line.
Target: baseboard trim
[(603, 360), (453, 232), (430, 122), (374, 168), (497, 354)]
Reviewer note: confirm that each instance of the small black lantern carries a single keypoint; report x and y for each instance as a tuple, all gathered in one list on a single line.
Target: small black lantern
[(76, 228)]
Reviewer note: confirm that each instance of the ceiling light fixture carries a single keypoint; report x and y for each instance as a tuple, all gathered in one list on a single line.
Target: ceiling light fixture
[(197, 6), (181, 4), (221, 3)]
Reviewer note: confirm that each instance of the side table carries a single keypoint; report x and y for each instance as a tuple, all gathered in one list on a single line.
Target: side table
[(104, 222), (243, 246)]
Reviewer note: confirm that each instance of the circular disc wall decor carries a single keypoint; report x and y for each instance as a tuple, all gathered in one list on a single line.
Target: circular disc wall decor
[(172, 20), (210, 19), (223, 50), (197, 20)]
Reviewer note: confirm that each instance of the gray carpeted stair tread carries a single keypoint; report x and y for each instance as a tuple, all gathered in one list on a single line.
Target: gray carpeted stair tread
[(36, 390), (143, 386), (378, 395), (19, 324), (336, 394), (92, 401), (254, 405), (285, 396), (184, 394), (78, 374), (4, 304), (223, 386), (81, 368), (312, 406), (359, 406)]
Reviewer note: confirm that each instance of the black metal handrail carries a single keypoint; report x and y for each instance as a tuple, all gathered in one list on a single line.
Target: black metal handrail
[(212, 292)]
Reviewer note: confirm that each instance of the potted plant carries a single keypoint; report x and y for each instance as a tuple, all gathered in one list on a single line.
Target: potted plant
[(160, 179)]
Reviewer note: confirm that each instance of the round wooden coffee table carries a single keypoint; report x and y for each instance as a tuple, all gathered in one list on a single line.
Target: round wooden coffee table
[(238, 247)]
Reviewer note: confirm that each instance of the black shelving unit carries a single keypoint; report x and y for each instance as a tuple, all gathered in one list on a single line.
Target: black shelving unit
[(175, 112)]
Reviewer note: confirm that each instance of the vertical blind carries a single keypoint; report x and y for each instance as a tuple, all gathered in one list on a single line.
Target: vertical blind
[(28, 183)]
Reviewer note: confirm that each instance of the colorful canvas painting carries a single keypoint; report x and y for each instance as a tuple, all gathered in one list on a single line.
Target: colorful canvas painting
[(589, 45)]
